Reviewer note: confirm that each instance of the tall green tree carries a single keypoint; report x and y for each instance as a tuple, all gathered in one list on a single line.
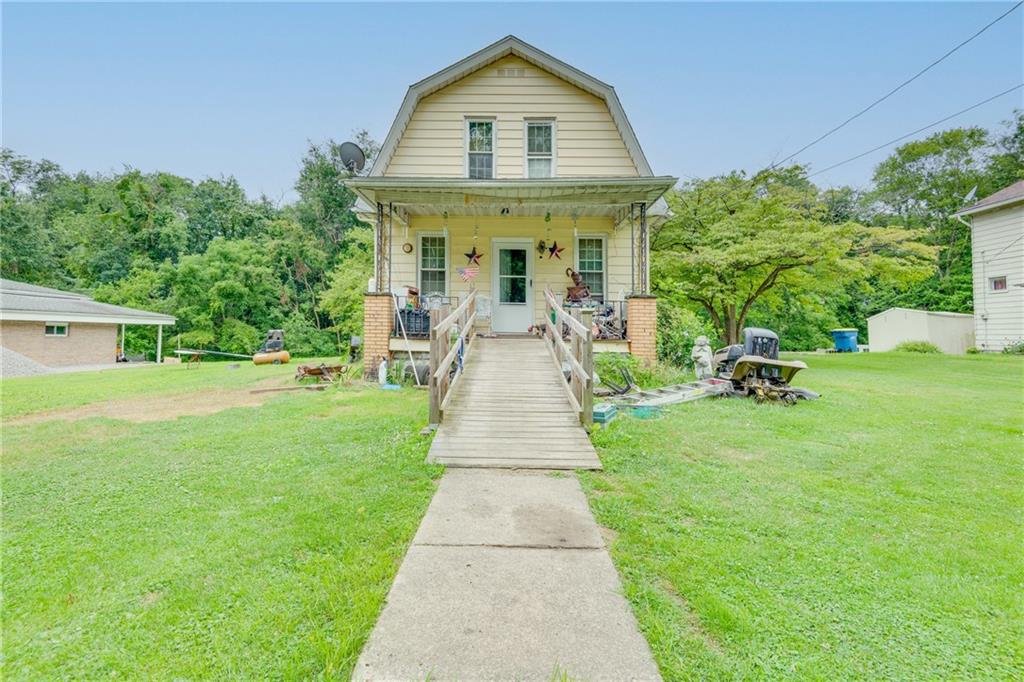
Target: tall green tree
[(735, 239)]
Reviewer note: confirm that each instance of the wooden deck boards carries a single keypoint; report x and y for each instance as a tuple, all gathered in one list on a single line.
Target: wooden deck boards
[(510, 410)]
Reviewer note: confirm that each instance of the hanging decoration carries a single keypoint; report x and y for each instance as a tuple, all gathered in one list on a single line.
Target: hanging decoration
[(555, 250), (473, 256), (542, 248)]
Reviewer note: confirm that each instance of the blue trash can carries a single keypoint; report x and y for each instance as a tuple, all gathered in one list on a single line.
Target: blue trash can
[(845, 340)]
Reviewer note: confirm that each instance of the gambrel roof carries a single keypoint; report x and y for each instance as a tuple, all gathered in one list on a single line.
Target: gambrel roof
[(510, 45)]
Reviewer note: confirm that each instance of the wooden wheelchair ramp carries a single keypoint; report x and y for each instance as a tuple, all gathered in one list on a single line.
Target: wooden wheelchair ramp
[(510, 409)]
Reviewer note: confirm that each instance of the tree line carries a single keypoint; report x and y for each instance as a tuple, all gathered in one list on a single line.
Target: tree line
[(768, 249)]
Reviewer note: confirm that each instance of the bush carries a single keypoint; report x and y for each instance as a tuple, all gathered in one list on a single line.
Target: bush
[(609, 364), (677, 329), (973, 350), (1015, 348), (917, 347)]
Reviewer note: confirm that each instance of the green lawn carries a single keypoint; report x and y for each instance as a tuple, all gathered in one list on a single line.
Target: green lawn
[(257, 542), (874, 534)]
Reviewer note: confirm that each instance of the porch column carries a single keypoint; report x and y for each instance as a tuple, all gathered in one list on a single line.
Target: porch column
[(382, 249), (642, 253), (378, 321), (642, 326), (159, 343)]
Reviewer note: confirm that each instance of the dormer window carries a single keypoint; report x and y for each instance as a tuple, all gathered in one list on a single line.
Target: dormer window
[(540, 149), (480, 148)]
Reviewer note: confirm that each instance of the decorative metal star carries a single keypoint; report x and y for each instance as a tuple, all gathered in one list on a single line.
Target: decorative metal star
[(473, 257), (555, 250)]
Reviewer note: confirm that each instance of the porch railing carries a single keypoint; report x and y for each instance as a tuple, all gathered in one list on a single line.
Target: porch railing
[(412, 314), (576, 351), (451, 339), (609, 318)]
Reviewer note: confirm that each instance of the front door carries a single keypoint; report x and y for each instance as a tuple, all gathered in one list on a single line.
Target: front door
[(512, 285)]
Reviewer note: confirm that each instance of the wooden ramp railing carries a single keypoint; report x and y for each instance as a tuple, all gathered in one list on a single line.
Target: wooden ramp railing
[(446, 351), (577, 352)]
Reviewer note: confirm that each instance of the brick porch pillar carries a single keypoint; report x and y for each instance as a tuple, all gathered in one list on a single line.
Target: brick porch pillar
[(642, 325), (378, 317)]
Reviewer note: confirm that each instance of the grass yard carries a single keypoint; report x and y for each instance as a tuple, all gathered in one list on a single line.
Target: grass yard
[(874, 534), (254, 542)]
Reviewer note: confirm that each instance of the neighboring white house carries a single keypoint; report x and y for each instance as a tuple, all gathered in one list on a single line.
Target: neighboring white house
[(952, 332), (997, 239)]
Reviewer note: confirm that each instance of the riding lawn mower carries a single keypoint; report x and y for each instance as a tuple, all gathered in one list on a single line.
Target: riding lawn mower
[(755, 370)]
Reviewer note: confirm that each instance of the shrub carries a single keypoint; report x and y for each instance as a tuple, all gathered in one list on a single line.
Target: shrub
[(660, 374), (677, 329), (917, 347), (973, 350), (1015, 348)]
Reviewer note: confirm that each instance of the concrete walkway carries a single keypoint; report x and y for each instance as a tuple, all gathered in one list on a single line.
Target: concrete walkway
[(507, 579)]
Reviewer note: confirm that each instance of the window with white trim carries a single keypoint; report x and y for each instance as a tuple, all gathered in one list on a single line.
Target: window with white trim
[(590, 263), (55, 329), (433, 264), (480, 148), (997, 283), (540, 149)]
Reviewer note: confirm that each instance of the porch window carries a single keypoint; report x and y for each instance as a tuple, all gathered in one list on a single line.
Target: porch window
[(480, 149), (590, 263), (433, 264), (540, 149)]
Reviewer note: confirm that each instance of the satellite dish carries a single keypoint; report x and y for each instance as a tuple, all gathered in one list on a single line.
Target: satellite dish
[(352, 156), (970, 195)]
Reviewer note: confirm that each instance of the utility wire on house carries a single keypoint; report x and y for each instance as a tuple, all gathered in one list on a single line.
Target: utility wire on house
[(919, 130), (898, 87)]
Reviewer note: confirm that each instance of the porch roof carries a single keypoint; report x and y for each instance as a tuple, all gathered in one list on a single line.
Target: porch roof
[(581, 197)]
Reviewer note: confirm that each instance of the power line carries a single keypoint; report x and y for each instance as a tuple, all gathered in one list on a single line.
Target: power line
[(919, 130), (898, 87)]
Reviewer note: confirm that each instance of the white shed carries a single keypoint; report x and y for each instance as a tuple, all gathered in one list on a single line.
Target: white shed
[(952, 332)]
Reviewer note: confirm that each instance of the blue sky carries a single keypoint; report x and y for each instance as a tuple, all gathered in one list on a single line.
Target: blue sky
[(237, 89)]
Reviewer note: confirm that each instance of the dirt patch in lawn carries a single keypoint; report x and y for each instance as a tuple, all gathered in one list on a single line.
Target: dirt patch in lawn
[(161, 407)]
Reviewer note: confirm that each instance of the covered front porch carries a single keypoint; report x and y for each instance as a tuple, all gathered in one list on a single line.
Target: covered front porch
[(510, 240)]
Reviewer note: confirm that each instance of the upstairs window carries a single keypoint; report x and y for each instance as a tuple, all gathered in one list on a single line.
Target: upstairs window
[(540, 149), (480, 149), (56, 329), (433, 264), (590, 264), (998, 283)]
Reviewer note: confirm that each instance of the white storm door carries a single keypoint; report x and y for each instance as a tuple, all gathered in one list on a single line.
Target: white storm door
[(512, 285)]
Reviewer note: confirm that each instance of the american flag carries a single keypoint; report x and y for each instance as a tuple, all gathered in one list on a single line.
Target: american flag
[(469, 272)]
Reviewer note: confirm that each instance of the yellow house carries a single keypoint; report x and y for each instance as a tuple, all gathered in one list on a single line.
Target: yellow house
[(505, 172)]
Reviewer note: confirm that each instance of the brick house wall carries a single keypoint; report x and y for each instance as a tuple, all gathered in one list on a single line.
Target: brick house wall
[(642, 316), (378, 317), (85, 344)]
